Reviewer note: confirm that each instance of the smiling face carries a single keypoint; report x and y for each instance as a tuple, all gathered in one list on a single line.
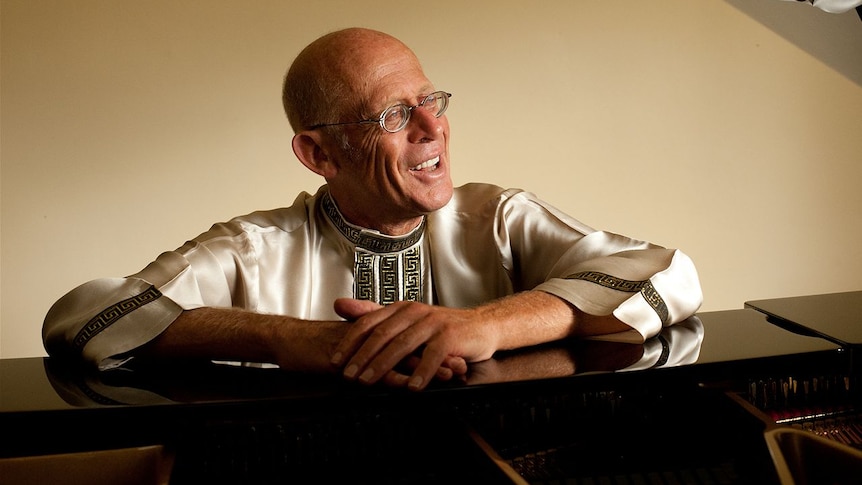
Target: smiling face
[(381, 180)]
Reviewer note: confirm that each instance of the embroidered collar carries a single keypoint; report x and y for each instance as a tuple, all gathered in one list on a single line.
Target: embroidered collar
[(367, 239)]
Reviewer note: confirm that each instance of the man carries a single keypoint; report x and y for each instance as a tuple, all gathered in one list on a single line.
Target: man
[(388, 273)]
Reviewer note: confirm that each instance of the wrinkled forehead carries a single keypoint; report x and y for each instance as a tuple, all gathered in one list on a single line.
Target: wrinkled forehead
[(383, 74)]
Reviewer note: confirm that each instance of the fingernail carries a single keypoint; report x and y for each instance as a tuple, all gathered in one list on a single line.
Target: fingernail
[(415, 382), (367, 375), (336, 358), (350, 371)]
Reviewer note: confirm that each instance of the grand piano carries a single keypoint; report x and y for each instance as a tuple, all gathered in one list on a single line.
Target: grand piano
[(766, 394)]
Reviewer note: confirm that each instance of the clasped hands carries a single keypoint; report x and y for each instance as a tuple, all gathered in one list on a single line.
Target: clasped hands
[(408, 343)]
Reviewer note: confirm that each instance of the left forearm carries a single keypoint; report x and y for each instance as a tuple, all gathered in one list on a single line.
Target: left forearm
[(535, 317)]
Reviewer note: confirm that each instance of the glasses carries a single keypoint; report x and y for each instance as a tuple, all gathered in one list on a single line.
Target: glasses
[(395, 118)]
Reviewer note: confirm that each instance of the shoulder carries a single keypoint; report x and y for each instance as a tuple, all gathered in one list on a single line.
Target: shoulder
[(284, 219), (479, 197), (477, 200)]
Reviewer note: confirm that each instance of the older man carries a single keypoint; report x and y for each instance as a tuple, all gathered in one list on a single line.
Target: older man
[(387, 273)]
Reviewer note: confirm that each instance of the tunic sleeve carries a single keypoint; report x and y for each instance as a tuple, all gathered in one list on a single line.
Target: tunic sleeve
[(491, 242), (644, 285), (103, 320)]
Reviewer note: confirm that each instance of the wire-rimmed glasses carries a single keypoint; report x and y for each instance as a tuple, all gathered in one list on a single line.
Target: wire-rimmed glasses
[(395, 117)]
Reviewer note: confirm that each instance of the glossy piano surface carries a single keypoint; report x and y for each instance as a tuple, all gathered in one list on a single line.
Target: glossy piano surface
[(721, 340), (833, 316), (585, 410)]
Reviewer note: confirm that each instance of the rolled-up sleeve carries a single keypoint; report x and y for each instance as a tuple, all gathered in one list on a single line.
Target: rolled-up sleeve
[(103, 320), (644, 285), (490, 242)]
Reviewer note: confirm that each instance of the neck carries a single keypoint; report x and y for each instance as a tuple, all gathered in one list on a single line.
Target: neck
[(395, 228), (389, 226)]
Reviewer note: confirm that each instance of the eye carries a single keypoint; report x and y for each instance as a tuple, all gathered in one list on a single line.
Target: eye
[(431, 102), (394, 117)]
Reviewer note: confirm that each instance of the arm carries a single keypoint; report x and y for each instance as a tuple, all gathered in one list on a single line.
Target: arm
[(232, 334), (562, 279), (382, 337)]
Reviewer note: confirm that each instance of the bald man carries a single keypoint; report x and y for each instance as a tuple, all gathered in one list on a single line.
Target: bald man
[(387, 273)]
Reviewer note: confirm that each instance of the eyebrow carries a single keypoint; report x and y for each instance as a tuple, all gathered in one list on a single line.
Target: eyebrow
[(424, 92)]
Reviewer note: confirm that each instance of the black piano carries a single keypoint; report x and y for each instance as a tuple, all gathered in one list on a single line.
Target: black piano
[(758, 395)]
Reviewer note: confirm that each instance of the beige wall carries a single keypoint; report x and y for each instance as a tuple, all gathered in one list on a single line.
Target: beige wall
[(129, 127)]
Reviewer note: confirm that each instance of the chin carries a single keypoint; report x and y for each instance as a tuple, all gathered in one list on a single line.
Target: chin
[(438, 199)]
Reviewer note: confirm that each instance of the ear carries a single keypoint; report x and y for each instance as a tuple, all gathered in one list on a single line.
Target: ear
[(308, 147)]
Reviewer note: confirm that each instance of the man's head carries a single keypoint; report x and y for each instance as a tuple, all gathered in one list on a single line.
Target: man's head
[(381, 180)]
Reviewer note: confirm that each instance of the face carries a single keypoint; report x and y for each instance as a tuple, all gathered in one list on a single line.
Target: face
[(388, 181)]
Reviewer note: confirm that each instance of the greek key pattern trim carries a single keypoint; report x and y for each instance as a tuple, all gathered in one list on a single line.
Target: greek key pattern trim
[(363, 276), (609, 281), (655, 300), (366, 240), (110, 315), (665, 352), (646, 289), (388, 278), (95, 396)]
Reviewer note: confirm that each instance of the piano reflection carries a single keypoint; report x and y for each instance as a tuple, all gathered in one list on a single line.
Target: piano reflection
[(725, 397)]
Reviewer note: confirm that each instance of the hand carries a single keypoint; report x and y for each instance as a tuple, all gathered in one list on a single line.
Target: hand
[(431, 340)]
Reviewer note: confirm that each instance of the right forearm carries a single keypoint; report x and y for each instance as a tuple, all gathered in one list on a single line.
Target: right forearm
[(236, 335)]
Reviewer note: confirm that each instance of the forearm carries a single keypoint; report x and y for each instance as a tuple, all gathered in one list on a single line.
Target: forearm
[(535, 317), (381, 337), (236, 335)]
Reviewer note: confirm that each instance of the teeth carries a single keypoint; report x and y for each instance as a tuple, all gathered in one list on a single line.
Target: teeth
[(428, 164)]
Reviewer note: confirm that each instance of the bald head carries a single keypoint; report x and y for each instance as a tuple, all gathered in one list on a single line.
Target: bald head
[(332, 73)]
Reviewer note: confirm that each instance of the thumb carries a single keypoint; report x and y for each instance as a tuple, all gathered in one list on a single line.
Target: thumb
[(352, 309)]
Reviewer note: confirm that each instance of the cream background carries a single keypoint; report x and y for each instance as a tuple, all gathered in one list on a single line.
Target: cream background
[(707, 125)]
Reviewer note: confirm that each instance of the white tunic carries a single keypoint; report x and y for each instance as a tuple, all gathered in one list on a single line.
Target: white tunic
[(487, 242)]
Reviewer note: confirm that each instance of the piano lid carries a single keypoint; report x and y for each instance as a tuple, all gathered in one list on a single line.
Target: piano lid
[(833, 316)]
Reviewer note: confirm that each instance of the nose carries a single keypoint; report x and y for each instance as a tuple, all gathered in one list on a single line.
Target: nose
[(423, 125)]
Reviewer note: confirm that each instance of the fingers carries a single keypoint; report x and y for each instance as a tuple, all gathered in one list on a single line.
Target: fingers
[(381, 338), (353, 309), (365, 336), (456, 364), (378, 341), (429, 365), (394, 378)]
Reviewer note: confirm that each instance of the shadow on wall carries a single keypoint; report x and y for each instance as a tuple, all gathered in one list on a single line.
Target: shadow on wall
[(834, 39)]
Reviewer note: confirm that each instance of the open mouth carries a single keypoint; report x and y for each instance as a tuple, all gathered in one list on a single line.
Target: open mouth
[(428, 165)]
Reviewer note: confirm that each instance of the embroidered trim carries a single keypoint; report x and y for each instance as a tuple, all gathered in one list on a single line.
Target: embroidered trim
[(387, 278), (412, 275), (110, 315), (609, 281), (645, 287), (655, 300), (95, 396), (377, 243), (363, 276), (665, 352)]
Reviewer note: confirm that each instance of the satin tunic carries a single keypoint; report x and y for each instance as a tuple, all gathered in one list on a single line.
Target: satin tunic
[(486, 243)]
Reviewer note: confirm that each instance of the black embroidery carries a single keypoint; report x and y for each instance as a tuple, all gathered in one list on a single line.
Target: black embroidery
[(110, 315), (665, 352), (366, 240), (387, 278), (645, 287), (655, 300), (93, 395)]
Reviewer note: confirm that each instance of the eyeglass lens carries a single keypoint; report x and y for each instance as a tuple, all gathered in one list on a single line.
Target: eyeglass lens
[(395, 117)]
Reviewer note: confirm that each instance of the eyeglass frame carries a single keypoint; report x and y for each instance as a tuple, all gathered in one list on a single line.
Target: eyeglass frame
[(379, 120)]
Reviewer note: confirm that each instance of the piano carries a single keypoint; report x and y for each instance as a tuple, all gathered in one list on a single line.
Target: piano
[(764, 394)]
